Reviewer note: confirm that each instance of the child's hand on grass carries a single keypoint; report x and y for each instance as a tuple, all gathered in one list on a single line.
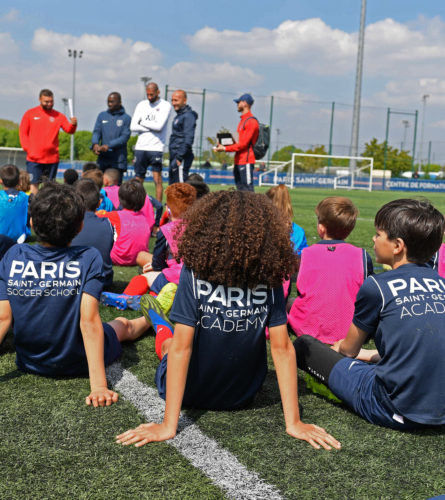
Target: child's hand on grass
[(146, 433), (314, 435), (102, 397)]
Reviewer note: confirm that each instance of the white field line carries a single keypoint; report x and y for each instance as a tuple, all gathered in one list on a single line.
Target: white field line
[(219, 465)]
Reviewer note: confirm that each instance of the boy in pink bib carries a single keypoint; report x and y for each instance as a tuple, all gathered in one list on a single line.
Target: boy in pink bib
[(330, 275), (130, 224)]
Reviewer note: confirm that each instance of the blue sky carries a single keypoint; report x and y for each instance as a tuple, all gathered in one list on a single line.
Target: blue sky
[(299, 51)]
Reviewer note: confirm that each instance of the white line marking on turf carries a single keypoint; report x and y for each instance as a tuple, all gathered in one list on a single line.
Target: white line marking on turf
[(204, 453)]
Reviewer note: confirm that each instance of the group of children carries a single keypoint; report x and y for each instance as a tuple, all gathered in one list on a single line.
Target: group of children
[(232, 257)]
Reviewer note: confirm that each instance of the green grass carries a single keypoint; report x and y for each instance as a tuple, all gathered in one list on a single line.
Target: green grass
[(53, 446)]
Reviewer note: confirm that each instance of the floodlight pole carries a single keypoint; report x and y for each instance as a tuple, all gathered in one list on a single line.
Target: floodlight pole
[(331, 132), (203, 107), (406, 125), (74, 54), (358, 88), (424, 98), (270, 127)]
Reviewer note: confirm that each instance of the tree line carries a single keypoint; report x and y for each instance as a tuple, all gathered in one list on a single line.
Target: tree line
[(397, 160)]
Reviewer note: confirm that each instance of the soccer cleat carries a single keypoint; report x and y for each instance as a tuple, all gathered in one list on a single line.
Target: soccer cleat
[(134, 302), (117, 300), (153, 312), (166, 296), (319, 388)]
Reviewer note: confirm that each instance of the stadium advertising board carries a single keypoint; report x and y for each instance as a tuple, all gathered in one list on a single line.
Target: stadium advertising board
[(300, 180)]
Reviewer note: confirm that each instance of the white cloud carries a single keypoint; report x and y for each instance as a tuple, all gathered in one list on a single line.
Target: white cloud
[(315, 48), (109, 50), (309, 44), (201, 74), (12, 16), (8, 47)]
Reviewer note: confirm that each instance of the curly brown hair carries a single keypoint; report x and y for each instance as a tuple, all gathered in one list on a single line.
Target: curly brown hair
[(237, 238)]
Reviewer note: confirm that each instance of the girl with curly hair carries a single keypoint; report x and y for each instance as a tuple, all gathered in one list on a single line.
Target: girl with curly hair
[(236, 254)]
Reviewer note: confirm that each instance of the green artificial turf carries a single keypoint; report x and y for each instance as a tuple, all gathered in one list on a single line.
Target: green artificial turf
[(53, 446)]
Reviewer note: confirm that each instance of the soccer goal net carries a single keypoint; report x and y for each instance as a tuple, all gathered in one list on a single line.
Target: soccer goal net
[(15, 156), (304, 169)]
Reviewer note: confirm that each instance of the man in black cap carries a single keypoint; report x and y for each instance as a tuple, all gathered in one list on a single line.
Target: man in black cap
[(248, 130)]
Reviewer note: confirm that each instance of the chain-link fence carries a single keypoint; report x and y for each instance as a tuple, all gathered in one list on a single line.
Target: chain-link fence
[(308, 124)]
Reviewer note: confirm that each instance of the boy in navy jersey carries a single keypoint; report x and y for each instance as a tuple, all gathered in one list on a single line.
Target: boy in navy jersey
[(404, 310), (52, 290), (236, 254)]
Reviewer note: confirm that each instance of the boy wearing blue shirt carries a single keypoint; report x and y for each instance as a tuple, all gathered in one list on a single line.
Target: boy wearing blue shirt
[(13, 205), (403, 310), (52, 290)]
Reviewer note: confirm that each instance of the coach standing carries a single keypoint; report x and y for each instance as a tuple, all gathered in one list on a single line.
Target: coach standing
[(150, 122), (110, 136), (39, 137), (248, 130), (181, 138)]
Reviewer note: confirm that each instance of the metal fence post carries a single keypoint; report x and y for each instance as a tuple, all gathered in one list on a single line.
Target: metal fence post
[(385, 153), (270, 128), (203, 105)]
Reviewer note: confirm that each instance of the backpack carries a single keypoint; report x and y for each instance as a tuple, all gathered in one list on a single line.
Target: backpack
[(262, 143)]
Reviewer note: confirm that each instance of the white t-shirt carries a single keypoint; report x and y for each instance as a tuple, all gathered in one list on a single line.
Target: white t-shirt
[(150, 122)]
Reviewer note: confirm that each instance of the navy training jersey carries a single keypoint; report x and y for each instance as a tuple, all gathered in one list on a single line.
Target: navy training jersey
[(229, 359), (44, 287), (405, 311)]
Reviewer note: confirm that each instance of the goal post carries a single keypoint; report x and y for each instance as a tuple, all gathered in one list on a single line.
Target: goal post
[(339, 172)]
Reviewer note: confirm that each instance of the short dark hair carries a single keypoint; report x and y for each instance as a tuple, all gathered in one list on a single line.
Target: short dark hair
[(10, 175), (416, 222), (132, 195), (96, 175), (338, 215), (113, 175), (89, 192), (117, 95), (57, 213), (70, 176), (90, 165), (198, 183), (46, 93)]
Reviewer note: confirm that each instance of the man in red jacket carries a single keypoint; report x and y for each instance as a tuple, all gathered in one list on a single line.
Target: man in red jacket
[(39, 137), (248, 130)]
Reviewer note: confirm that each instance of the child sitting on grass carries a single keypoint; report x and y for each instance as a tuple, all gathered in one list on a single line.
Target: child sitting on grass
[(281, 199), (70, 176), (162, 269), (403, 310), (52, 290), (130, 224), (96, 232), (98, 177), (111, 179), (111, 185), (330, 275), (13, 205), (236, 254)]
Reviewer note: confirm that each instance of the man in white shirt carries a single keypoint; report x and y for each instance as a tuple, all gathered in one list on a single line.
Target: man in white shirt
[(150, 123)]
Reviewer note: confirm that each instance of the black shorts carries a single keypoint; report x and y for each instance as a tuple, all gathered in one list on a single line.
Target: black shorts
[(37, 171), (144, 159)]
